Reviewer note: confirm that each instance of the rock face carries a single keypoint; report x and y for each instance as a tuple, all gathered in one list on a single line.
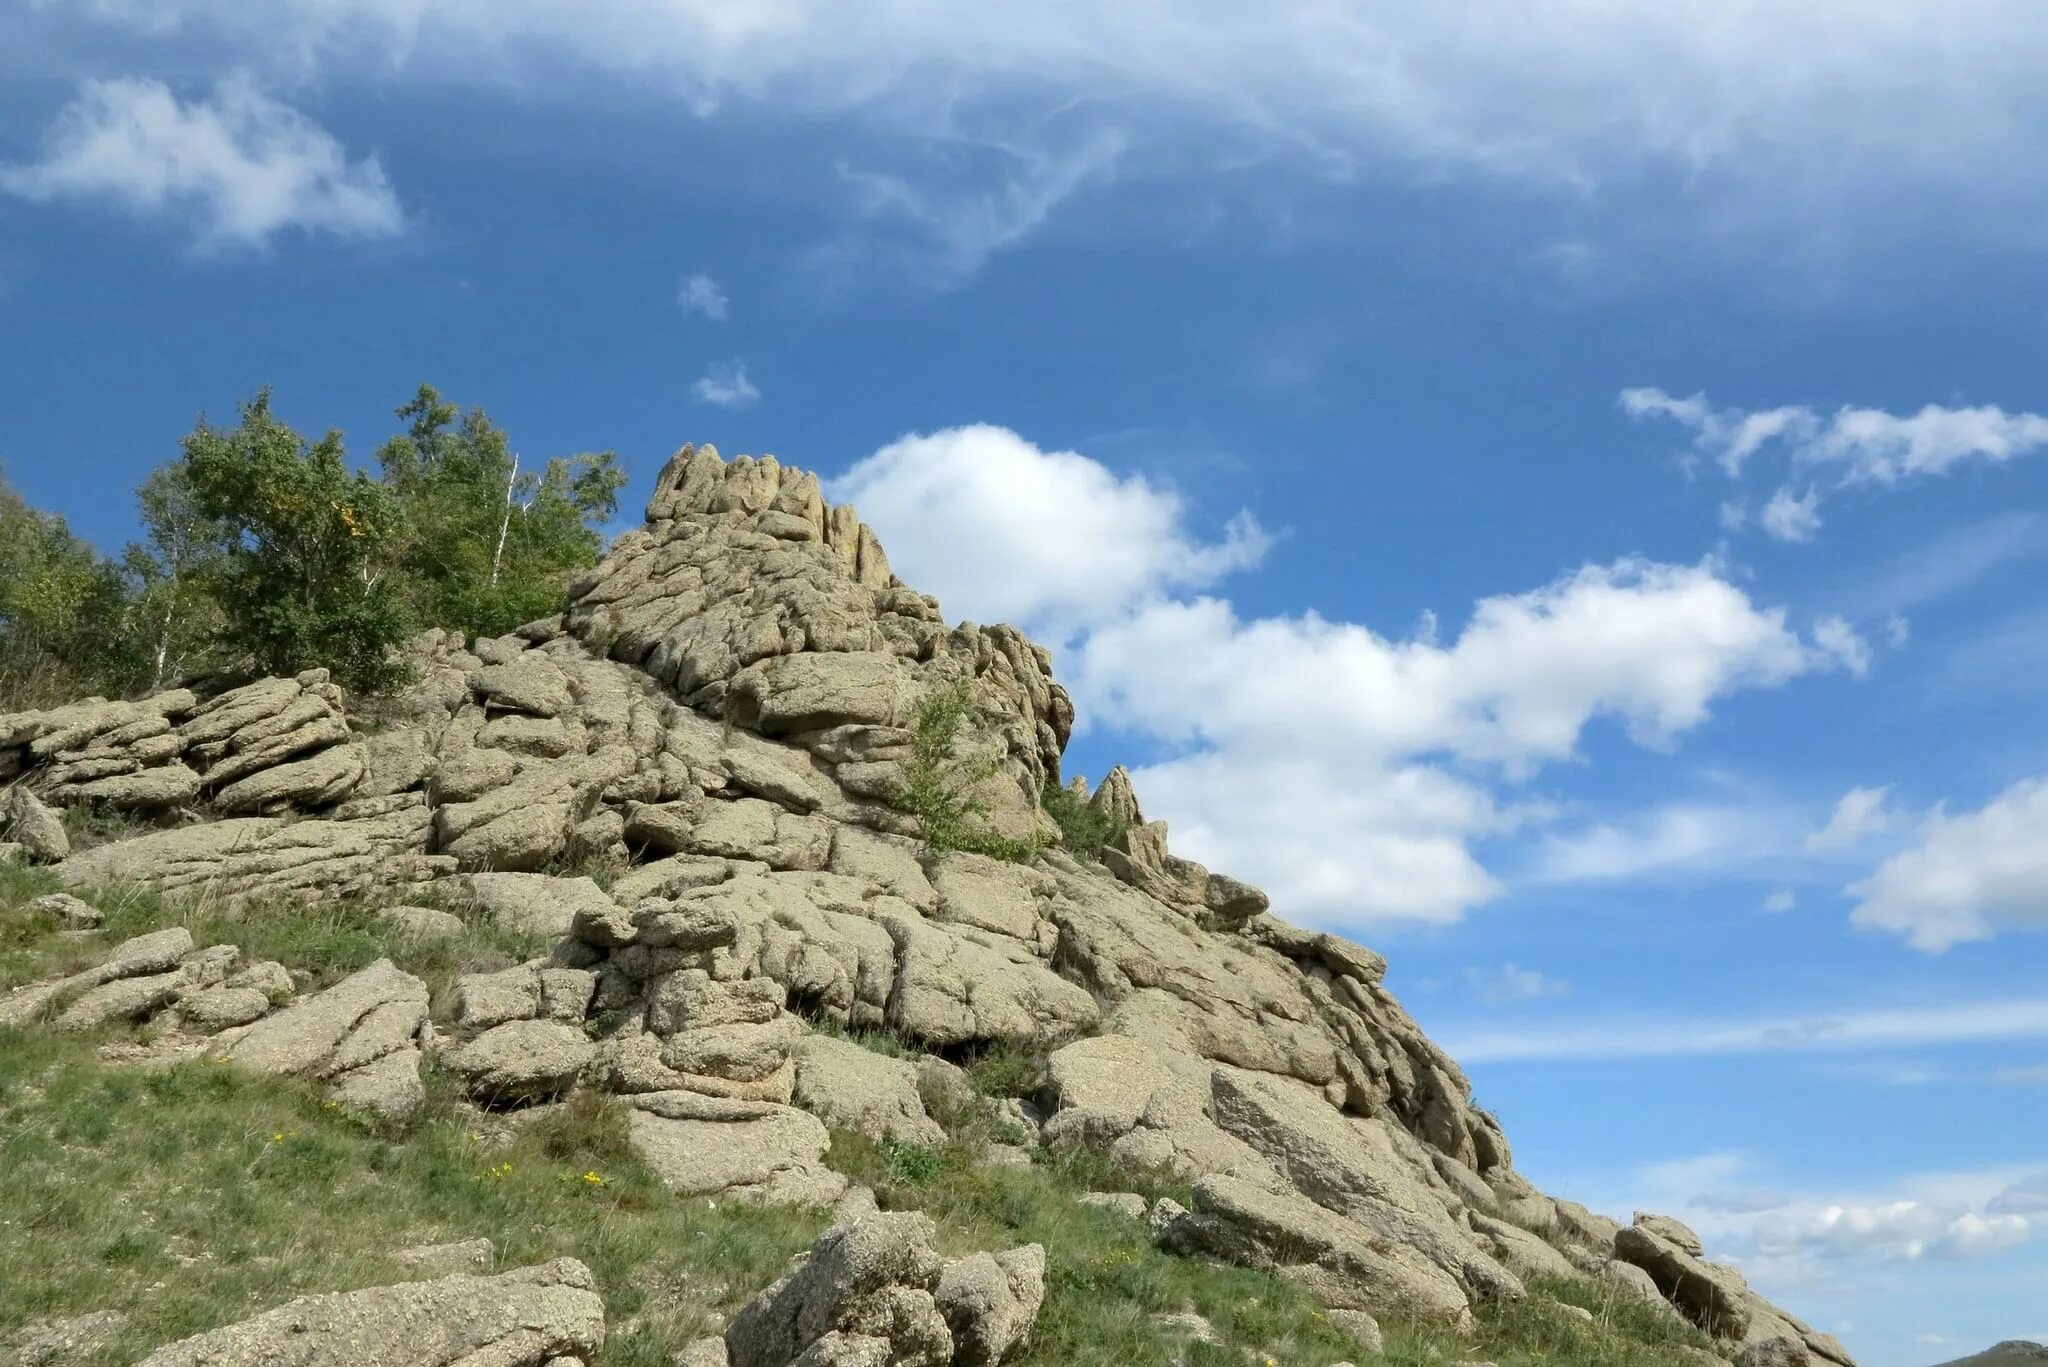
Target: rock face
[(724, 710), (545, 1316)]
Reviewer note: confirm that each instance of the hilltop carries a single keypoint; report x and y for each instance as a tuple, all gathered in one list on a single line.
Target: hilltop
[(740, 906)]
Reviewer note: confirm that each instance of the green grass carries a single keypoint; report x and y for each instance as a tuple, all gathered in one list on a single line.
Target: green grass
[(191, 1196), (328, 940)]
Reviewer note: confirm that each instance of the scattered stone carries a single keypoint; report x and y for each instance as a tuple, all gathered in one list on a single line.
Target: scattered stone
[(863, 1091), (75, 912), (56, 1343), (1360, 1328), (1125, 1203), (469, 1255), (990, 1302), (38, 830), (751, 1150), (863, 1294), (536, 903), (359, 1036), (422, 923), (533, 1317), (701, 1353), (521, 1062)]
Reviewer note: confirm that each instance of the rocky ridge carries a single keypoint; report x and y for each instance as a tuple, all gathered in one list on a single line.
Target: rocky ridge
[(725, 710)]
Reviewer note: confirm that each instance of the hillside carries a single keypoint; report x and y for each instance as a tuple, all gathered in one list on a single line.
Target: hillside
[(744, 904), (2012, 1353)]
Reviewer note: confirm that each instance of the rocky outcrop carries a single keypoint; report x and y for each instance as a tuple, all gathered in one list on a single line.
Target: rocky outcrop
[(722, 714), (545, 1316)]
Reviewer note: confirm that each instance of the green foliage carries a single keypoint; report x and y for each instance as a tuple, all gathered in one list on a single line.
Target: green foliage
[(940, 786), (270, 553), (306, 544), (1085, 829), (63, 611), (1007, 1071), (485, 546)]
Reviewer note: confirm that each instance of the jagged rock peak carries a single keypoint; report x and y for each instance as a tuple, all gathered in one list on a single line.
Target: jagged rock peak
[(754, 601)]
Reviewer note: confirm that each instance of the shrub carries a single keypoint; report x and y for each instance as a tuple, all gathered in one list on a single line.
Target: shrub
[(1085, 829), (939, 786)]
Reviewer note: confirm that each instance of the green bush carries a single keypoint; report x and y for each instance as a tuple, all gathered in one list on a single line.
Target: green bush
[(939, 786), (1085, 829)]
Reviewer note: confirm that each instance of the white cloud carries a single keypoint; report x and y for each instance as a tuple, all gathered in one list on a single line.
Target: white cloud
[(1790, 517), (1858, 815), (1348, 773), (1913, 1218), (1052, 541), (701, 294), (1851, 446), (1834, 636), (1967, 877), (1764, 112), (240, 166), (726, 386), (1847, 1031), (955, 228), (1780, 901), (1513, 983)]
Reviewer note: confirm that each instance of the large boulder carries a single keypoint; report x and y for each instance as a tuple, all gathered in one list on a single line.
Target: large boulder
[(858, 1089), (863, 1294), (544, 1316)]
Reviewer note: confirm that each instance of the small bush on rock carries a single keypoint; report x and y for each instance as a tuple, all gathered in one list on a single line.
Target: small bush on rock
[(939, 785)]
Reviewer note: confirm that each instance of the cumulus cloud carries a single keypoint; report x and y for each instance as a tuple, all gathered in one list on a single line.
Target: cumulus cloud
[(1851, 446), (239, 166), (1053, 541), (1914, 1218), (1781, 900), (1858, 815), (701, 294), (1966, 877), (1349, 773), (726, 386)]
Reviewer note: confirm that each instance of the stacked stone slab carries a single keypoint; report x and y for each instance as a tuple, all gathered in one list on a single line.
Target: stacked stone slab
[(724, 708)]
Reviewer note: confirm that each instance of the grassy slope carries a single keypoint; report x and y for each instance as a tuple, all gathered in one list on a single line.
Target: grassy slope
[(191, 1196)]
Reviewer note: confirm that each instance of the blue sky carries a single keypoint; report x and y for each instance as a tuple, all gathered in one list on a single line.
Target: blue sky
[(1562, 503)]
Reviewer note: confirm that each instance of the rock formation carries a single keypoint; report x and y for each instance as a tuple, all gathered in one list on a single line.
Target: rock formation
[(725, 709)]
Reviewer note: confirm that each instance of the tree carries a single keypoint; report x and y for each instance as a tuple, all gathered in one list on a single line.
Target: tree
[(485, 546), (63, 608), (174, 577), (304, 549)]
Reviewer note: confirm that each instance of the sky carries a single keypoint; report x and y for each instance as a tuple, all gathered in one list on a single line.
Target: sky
[(1563, 501)]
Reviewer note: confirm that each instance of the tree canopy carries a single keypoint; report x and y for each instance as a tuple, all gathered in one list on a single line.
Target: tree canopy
[(267, 552)]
